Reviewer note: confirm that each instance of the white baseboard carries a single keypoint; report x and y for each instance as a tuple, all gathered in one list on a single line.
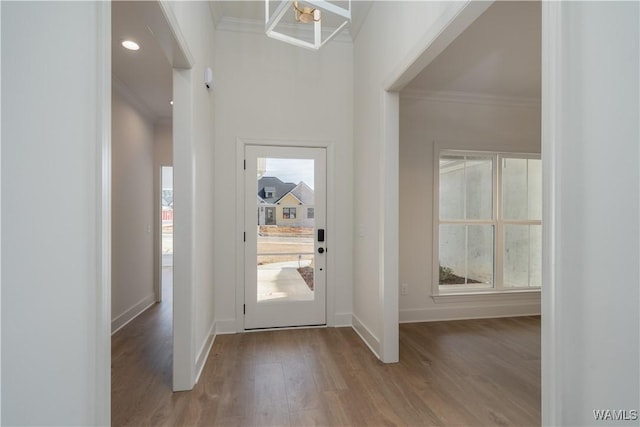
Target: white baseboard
[(439, 313), (203, 354), (123, 319), (366, 335), (225, 326), (342, 319)]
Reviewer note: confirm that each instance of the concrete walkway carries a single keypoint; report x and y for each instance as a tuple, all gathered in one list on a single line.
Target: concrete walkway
[(281, 281)]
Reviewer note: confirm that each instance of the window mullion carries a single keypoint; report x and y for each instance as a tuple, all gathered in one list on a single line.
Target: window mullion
[(499, 229)]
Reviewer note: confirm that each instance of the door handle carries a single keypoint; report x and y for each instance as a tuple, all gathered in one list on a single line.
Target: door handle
[(320, 250)]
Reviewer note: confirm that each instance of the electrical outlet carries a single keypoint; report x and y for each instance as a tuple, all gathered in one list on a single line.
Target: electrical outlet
[(404, 289)]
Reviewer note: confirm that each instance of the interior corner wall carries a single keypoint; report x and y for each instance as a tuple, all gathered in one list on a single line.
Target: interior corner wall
[(132, 210), (456, 125), (194, 186), (50, 364), (382, 45), (591, 343), (270, 90)]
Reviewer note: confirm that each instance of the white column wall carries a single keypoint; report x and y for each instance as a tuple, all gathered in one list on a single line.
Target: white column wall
[(385, 46), (52, 373), (194, 218), (591, 323)]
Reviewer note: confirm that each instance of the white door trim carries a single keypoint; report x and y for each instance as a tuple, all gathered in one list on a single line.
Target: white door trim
[(330, 206), (102, 393), (278, 314)]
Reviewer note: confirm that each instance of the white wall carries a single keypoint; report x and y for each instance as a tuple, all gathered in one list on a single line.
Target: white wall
[(132, 209), (457, 124), (0, 226), (268, 89), (193, 195), (385, 45), (51, 78), (163, 144), (591, 321)]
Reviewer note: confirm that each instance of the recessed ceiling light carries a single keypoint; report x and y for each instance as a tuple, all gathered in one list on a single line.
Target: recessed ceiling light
[(171, 102), (131, 45)]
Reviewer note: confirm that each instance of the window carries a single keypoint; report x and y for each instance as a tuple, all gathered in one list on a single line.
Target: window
[(310, 213), (269, 192), (489, 228), (289, 213)]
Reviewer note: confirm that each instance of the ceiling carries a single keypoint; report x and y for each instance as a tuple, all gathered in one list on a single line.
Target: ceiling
[(145, 73), (498, 54)]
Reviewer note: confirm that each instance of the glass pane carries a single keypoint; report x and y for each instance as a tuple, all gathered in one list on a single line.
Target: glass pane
[(285, 277), (466, 256), (479, 191), (285, 229), (522, 255), (452, 187), (283, 239), (522, 188), (466, 187)]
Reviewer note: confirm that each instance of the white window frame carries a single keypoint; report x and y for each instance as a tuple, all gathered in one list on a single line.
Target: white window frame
[(496, 220)]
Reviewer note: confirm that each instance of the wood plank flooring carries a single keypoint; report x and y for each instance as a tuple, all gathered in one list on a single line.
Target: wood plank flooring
[(462, 373)]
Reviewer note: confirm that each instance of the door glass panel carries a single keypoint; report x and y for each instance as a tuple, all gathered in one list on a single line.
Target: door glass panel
[(285, 230)]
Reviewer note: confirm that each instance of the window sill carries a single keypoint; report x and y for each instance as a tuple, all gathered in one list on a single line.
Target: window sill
[(506, 296)]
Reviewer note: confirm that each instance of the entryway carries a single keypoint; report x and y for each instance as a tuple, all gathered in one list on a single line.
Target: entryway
[(285, 266)]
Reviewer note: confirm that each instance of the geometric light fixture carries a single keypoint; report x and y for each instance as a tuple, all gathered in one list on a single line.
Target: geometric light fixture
[(301, 22)]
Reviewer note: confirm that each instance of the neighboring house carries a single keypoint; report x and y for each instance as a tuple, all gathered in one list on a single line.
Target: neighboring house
[(285, 203)]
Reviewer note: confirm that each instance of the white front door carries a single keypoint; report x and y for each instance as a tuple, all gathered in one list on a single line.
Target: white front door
[(285, 217)]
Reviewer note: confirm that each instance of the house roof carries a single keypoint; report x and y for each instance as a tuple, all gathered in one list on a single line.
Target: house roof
[(279, 189), (304, 193), (272, 183)]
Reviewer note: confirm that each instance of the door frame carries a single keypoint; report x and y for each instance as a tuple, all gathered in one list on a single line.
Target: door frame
[(241, 143), (292, 313), (157, 237)]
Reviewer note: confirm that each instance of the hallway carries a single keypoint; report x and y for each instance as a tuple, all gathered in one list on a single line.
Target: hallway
[(474, 372)]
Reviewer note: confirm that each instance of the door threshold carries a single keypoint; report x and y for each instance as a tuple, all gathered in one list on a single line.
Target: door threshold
[(285, 328)]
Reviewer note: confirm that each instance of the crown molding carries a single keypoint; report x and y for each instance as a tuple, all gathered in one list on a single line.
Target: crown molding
[(242, 25), (470, 98)]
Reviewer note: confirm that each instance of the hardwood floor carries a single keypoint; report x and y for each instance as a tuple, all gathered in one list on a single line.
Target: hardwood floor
[(475, 372)]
